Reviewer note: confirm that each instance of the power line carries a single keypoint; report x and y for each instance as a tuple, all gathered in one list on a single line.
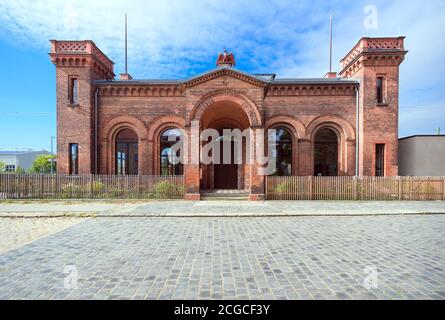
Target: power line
[(27, 114)]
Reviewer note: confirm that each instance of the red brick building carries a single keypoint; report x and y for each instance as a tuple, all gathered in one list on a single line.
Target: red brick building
[(109, 126)]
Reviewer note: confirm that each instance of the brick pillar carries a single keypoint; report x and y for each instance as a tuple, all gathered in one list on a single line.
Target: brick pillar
[(144, 156), (256, 177), (152, 157), (305, 158), (350, 158), (192, 167)]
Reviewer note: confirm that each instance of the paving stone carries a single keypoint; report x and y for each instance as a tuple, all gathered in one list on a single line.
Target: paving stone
[(233, 258)]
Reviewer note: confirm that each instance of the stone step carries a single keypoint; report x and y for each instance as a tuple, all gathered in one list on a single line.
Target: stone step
[(224, 198), (225, 195)]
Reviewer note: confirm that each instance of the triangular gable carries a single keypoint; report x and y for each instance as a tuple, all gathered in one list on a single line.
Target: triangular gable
[(225, 71)]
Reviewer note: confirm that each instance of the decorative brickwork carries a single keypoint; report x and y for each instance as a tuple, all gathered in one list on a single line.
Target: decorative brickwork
[(226, 97)]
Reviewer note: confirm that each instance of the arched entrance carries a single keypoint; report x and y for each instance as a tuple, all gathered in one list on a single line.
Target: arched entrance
[(127, 154), (326, 152), (223, 124)]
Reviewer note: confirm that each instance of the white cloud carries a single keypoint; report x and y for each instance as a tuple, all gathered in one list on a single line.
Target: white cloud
[(174, 39)]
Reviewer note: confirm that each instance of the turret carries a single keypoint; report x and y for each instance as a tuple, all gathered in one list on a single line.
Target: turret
[(375, 63), (78, 65)]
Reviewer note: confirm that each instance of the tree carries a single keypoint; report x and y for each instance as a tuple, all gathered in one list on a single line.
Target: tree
[(20, 170), (2, 166), (42, 164)]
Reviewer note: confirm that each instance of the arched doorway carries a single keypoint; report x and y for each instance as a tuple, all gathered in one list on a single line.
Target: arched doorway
[(228, 171), (170, 163), (127, 161), (326, 152)]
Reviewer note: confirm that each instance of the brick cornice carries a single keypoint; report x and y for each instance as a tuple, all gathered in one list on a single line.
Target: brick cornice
[(129, 90), (280, 90), (366, 59), (224, 72), (81, 54)]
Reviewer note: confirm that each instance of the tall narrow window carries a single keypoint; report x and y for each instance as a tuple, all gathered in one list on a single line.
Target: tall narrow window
[(380, 90), (171, 163), (326, 153), (74, 158), (74, 91), (380, 160), (127, 159), (283, 152)]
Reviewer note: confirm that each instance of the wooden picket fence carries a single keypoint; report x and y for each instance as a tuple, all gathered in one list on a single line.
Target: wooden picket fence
[(47, 186), (355, 188)]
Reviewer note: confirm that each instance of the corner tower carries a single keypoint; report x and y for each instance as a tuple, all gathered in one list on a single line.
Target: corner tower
[(375, 63), (78, 65)]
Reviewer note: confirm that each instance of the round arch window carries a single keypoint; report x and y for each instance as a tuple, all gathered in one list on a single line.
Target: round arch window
[(283, 152), (171, 162), (127, 152), (326, 153)]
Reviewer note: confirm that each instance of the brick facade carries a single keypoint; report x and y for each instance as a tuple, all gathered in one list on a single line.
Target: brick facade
[(226, 97)]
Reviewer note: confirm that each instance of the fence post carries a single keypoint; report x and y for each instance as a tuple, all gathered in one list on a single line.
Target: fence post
[(40, 186), (355, 188), (399, 187), (443, 188), (310, 188), (91, 186)]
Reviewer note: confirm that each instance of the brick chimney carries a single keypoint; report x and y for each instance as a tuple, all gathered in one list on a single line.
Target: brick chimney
[(125, 76), (331, 75)]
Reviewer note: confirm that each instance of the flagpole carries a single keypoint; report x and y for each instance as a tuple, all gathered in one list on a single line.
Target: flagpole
[(126, 63), (330, 41)]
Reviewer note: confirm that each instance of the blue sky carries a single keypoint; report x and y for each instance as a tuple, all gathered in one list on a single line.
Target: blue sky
[(175, 39)]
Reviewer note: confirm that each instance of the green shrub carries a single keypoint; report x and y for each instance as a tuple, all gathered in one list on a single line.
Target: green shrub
[(70, 189), (283, 187), (166, 189), (97, 187)]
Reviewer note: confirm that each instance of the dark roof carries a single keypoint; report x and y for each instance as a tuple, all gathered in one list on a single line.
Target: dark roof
[(423, 135), (266, 78)]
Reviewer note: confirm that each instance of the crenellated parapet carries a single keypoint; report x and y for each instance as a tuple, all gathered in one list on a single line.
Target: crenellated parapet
[(81, 54), (373, 51)]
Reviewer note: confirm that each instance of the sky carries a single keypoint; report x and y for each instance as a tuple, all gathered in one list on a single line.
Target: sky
[(176, 39)]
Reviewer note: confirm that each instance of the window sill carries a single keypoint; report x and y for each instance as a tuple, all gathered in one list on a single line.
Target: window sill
[(381, 104), (73, 105)]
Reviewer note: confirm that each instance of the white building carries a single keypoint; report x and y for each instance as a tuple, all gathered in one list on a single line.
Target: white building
[(422, 155), (23, 159)]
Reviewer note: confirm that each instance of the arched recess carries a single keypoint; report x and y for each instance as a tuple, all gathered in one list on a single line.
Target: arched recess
[(326, 149), (229, 96), (295, 128), (156, 128), (108, 138), (127, 152), (345, 135), (171, 162), (345, 129)]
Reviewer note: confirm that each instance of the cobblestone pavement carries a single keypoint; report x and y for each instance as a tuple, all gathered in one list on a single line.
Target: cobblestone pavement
[(17, 232), (217, 208), (232, 258)]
